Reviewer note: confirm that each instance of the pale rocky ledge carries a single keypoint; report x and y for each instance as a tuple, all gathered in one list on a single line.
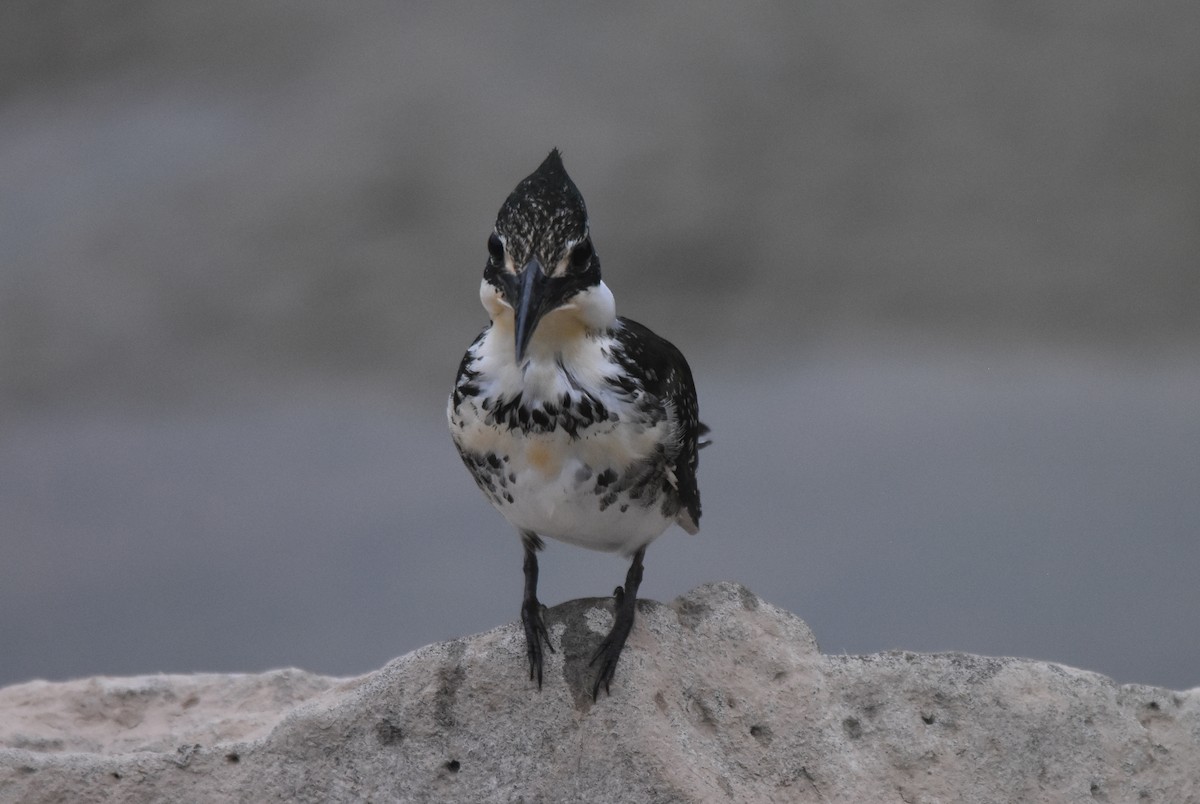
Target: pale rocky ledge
[(719, 696)]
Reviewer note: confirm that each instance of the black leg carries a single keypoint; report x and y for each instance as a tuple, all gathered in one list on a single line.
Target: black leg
[(531, 609), (610, 649)]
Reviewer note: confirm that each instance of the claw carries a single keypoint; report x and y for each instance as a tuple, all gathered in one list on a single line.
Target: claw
[(535, 635), (531, 611), (610, 648)]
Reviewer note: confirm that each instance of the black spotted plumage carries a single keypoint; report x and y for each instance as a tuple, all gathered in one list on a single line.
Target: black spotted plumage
[(576, 424), (660, 370)]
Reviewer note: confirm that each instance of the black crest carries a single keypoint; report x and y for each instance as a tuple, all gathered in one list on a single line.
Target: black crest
[(543, 214)]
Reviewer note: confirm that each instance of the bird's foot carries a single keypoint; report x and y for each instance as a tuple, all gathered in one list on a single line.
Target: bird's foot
[(535, 635), (610, 649)]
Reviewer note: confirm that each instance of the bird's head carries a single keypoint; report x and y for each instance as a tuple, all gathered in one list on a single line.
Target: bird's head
[(541, 264)]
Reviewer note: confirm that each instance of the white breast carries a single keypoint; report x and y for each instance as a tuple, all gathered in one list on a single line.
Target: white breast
[(547, 482), (554, 493)]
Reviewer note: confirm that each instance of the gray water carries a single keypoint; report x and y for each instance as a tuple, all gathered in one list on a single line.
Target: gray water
[(935, 271), (1042, 507)]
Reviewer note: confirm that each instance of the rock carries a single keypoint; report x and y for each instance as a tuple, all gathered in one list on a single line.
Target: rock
[(719, 696)]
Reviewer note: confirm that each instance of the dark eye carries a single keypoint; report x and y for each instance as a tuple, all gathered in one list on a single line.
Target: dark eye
[(496, 247), (582, 253)]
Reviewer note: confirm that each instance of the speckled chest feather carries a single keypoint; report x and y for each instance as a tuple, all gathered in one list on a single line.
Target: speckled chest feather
[(579, 444)]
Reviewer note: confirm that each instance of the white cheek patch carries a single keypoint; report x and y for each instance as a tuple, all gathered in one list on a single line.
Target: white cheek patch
[(493, 301), (597, 307)]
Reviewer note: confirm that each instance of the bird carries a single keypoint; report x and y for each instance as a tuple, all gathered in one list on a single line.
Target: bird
[(577, 424)]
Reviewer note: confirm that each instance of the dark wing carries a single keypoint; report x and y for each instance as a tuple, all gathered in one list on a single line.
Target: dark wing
[(464, 381), (664, 375)]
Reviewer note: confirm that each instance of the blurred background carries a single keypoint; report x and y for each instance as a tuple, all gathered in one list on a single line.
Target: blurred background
[(936, 270)]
